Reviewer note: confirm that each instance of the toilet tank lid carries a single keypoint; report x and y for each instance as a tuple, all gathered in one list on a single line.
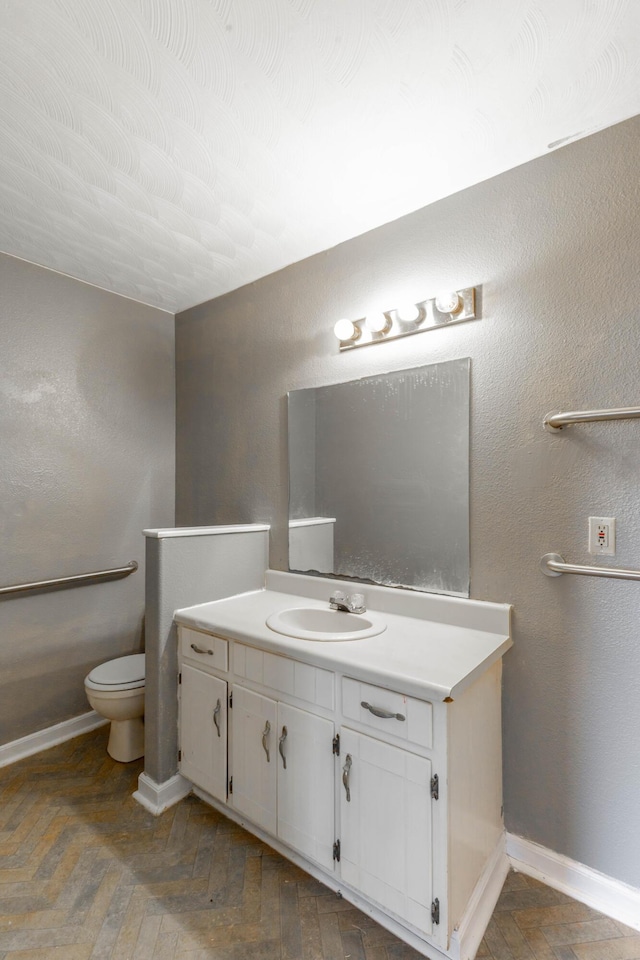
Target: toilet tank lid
[(122, 670)]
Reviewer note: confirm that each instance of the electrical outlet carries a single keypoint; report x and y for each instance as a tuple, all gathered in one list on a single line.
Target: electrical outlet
[(602, 536)]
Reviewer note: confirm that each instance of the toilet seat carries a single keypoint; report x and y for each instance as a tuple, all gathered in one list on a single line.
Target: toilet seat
[(123, 673)]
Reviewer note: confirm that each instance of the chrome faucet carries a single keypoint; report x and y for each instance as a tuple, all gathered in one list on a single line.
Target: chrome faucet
[(348, 604)]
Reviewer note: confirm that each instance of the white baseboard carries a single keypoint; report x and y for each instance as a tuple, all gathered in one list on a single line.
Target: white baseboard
[(158, 797), (596, 890), (466, 938), (43, 739)]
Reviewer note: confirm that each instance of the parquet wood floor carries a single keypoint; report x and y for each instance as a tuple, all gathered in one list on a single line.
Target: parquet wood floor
[(88, 874)]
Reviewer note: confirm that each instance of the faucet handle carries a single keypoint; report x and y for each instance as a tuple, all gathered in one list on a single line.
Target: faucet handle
[(357, 603), (350, 604)]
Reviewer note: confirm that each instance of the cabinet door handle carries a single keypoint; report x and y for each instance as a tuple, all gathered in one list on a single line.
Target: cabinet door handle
[(346, 770), (281, 747), (383, 714), (216, 716), (200, 650), (265, 734)]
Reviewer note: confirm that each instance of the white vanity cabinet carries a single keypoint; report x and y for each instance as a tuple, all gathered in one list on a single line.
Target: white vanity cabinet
[(394, 800), (385, 826), (203, 728), (283, 772), (386, 800), (203, 712), (306, 789), (253, 758), (281, 765)]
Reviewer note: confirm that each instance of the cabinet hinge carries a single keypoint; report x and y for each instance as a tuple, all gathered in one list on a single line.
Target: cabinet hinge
[(230, 786), (231, 699), (179, 754), (435, 787), (336, 745), (179, 678), (435, 911), (336, 851)]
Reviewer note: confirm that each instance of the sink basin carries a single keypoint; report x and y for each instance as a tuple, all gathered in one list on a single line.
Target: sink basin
[(317, 623)]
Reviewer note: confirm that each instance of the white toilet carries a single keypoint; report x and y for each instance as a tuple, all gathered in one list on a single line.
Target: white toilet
[(115, 690)]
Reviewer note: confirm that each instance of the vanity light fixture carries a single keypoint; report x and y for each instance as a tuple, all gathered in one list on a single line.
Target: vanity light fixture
[(346, 331), (448, 302), (409, 313), (377, 323), (450, 306)]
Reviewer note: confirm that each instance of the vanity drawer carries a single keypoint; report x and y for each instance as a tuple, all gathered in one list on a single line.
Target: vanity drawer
[(416, 725), (284, 675), (204, 649)]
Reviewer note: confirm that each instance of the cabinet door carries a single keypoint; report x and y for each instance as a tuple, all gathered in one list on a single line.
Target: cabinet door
[(306, 783), (254, 748), (203, 731), (386, 850)]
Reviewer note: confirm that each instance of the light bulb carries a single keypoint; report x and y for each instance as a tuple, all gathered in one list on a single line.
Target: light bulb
[(377, 323), (448, 302), (346, 330), (408, 312)]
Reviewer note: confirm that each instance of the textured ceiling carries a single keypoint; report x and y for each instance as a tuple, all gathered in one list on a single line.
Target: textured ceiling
[(173, 150)]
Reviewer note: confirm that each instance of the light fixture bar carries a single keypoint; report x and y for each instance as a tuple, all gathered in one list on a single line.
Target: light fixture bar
[(427, 317)]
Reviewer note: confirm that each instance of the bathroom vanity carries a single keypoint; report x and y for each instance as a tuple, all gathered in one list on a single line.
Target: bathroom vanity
[(373, 763)]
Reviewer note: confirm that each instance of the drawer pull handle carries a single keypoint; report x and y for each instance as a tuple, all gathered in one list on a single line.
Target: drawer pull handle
[(383, 714), (200, 650), (216, 716), (281, 747), (345, 776), (265, 734)]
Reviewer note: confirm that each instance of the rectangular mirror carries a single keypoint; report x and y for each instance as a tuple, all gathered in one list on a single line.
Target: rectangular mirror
[(379, 479)]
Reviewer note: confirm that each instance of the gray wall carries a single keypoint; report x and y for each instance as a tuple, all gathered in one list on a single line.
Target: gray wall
[(301, 438), (556, 245), (87, 433)]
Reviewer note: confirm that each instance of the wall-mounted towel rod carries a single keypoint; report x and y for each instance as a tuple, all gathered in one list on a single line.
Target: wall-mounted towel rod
[(553, 565), (556, 421), (76, 581)]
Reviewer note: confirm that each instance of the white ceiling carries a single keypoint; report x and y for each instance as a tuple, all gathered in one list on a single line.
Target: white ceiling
[(173, 150)]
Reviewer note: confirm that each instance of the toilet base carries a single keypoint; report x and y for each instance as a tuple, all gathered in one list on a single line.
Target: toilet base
[(126, 740)]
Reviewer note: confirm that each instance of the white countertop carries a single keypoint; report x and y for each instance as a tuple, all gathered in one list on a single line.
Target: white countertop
[(167, 532), (421, 657)]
